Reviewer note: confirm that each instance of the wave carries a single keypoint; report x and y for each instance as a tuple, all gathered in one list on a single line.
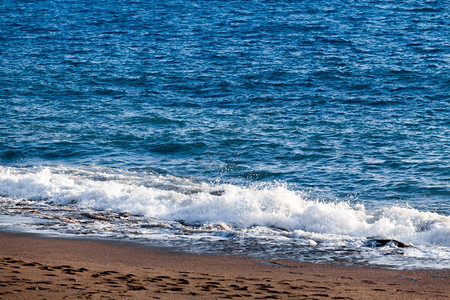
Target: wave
[(171, 198)]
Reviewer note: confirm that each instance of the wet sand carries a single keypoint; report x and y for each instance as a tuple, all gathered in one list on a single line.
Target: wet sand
[(47, 268)]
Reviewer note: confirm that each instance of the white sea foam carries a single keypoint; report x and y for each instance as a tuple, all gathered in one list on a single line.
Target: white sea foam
[(171, 198), (264, 220)]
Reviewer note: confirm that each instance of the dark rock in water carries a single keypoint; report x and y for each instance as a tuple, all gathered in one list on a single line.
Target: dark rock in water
[(383, 242), (197, 191), (217, 193), (127, 214), (99, 216)]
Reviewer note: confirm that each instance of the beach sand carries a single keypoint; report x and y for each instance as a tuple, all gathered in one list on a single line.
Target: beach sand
[(47, 268)]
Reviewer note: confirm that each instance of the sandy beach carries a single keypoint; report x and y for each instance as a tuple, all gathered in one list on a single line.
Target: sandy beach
[(48, 268)]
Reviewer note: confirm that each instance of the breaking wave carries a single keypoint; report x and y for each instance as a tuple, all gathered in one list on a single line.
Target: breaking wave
[(170, 198)]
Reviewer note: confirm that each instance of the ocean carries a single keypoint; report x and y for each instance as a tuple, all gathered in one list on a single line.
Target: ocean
[(301, 130)]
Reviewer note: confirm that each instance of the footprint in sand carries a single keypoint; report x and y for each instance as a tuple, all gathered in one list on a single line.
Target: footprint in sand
[(239, 288)]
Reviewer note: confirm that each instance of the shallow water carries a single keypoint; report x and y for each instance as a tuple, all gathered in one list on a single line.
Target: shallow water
[(278, 128)]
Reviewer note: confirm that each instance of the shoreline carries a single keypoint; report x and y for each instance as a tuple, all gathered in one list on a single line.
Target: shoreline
[(35, 267)]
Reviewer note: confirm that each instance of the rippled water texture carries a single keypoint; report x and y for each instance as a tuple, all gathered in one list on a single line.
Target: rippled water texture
[(347, 101)]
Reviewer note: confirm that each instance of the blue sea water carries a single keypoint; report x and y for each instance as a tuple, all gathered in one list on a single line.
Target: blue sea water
[(292, 129)]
